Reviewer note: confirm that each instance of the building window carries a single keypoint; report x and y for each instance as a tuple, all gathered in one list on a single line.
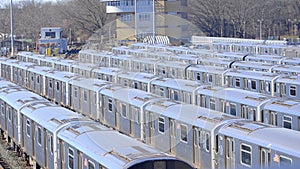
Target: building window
[(287, 122), (246, 156), (39, 136), (183, 132), (71, 159), (161, 124), (144, 17), (126, 17), (28, 124), (292, 90)]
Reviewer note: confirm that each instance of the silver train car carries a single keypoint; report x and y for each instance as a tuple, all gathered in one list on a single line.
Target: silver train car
[(54, 137), (250, 104), (204, 138)]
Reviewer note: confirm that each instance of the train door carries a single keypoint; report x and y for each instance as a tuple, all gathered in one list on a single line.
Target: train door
[(62, 154), (229, 153), (264, 158), (172, 136), (151, 128), (197, 147)]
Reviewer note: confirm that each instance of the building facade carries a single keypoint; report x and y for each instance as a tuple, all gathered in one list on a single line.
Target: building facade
[(51, 40), (138, 19)]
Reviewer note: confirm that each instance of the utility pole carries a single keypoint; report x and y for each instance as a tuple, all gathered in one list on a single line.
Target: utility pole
[(12, 27)]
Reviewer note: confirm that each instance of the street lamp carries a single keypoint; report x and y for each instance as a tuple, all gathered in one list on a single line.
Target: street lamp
[(260, 28)]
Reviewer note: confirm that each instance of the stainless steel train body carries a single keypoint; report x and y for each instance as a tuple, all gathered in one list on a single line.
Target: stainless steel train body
[(193, 129), (54, 137)]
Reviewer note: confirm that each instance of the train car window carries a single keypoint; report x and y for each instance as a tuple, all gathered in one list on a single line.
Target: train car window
[(233, 109), (91, 165), (162, 91), (210, 78), (176, 95), (50, 142), (285, 162), (9, 113), (198, 76), (38, 79), (161, 124), (75, 92), (207, 142), (71, 158), (183, 133), (202, 101), (39, 135), (50, 84), (237, 82), (135, 114), (246, 155), (212, 104), (2, 109), (57, 86), (253, 84), (273, 118), (261, 86), (124, 110), (28, 126), (293, 90), (217, 143), (287, 122), (31, 77), (268, 87), (282, 89), (222, 106), (245, 84), (244, 113), (110, 105), (85, 96)]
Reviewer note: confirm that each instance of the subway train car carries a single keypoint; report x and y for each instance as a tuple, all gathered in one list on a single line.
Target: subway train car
[(180, 129), (55, 138)]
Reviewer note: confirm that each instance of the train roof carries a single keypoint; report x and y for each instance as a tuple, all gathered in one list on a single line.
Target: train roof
[(265, 136), (180, 84), (61, 76), (288, 69), (209, 69), (234, 95), (107, 70), (138, 76), (286, 106), (89, 83), (295, 80), (252, 74), (252, 65), (41, 70)]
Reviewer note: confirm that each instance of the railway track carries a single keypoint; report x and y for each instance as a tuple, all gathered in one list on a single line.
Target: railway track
[(3, 164)]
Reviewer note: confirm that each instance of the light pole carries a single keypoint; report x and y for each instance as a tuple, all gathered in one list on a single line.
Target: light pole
[(292, 25), (244, 33), (12, 27), (153, 24), (260, 28)]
